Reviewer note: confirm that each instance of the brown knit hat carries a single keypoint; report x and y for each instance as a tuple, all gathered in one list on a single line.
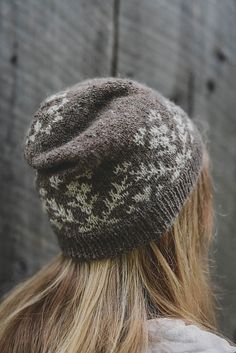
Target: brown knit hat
[(115, 162)]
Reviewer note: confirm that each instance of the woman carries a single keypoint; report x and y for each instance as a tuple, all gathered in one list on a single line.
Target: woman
[(123, 176)]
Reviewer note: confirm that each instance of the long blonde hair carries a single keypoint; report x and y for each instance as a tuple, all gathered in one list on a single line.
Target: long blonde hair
[(102, 306)]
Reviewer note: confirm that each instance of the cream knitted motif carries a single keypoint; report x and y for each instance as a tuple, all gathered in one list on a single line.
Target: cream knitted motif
[(115, 161)]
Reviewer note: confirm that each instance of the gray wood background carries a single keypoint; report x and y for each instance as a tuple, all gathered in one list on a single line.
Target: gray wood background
[(184, 48)]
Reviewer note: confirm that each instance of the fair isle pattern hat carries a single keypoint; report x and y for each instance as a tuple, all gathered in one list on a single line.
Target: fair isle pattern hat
[(115, 162)]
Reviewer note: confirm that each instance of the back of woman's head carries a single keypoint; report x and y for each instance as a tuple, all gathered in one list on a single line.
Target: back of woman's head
[(103, 305), (83, 302)]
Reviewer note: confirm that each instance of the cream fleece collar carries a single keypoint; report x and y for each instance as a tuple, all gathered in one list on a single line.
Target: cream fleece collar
[(175, 336)]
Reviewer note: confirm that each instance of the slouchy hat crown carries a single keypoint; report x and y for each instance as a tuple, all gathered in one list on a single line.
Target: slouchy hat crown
[(115, 162)]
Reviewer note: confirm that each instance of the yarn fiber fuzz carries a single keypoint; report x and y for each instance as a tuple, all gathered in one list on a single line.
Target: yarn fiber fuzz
[(115, 162)]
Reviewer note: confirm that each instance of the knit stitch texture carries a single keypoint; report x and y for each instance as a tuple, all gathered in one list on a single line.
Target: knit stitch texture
[(115, 162)]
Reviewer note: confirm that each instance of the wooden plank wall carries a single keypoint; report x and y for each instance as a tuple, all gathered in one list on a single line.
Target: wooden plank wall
[(43, 47), (184, 48)]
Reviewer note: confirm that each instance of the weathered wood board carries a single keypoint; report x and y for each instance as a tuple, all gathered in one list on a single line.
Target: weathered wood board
[(44, 46), (187, 50)]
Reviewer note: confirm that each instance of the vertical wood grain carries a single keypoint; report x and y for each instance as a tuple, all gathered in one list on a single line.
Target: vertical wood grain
[(187, 50), (44, 46)]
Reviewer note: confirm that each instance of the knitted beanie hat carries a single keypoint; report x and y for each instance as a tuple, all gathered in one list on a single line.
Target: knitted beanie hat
[(115, 162)]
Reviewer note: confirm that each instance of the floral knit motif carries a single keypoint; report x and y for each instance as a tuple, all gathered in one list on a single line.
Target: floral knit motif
[(80, 196), (53, 112), (79, 192), (115, 162)]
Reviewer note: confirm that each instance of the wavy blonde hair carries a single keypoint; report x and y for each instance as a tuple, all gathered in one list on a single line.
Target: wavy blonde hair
[(102, 306)]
